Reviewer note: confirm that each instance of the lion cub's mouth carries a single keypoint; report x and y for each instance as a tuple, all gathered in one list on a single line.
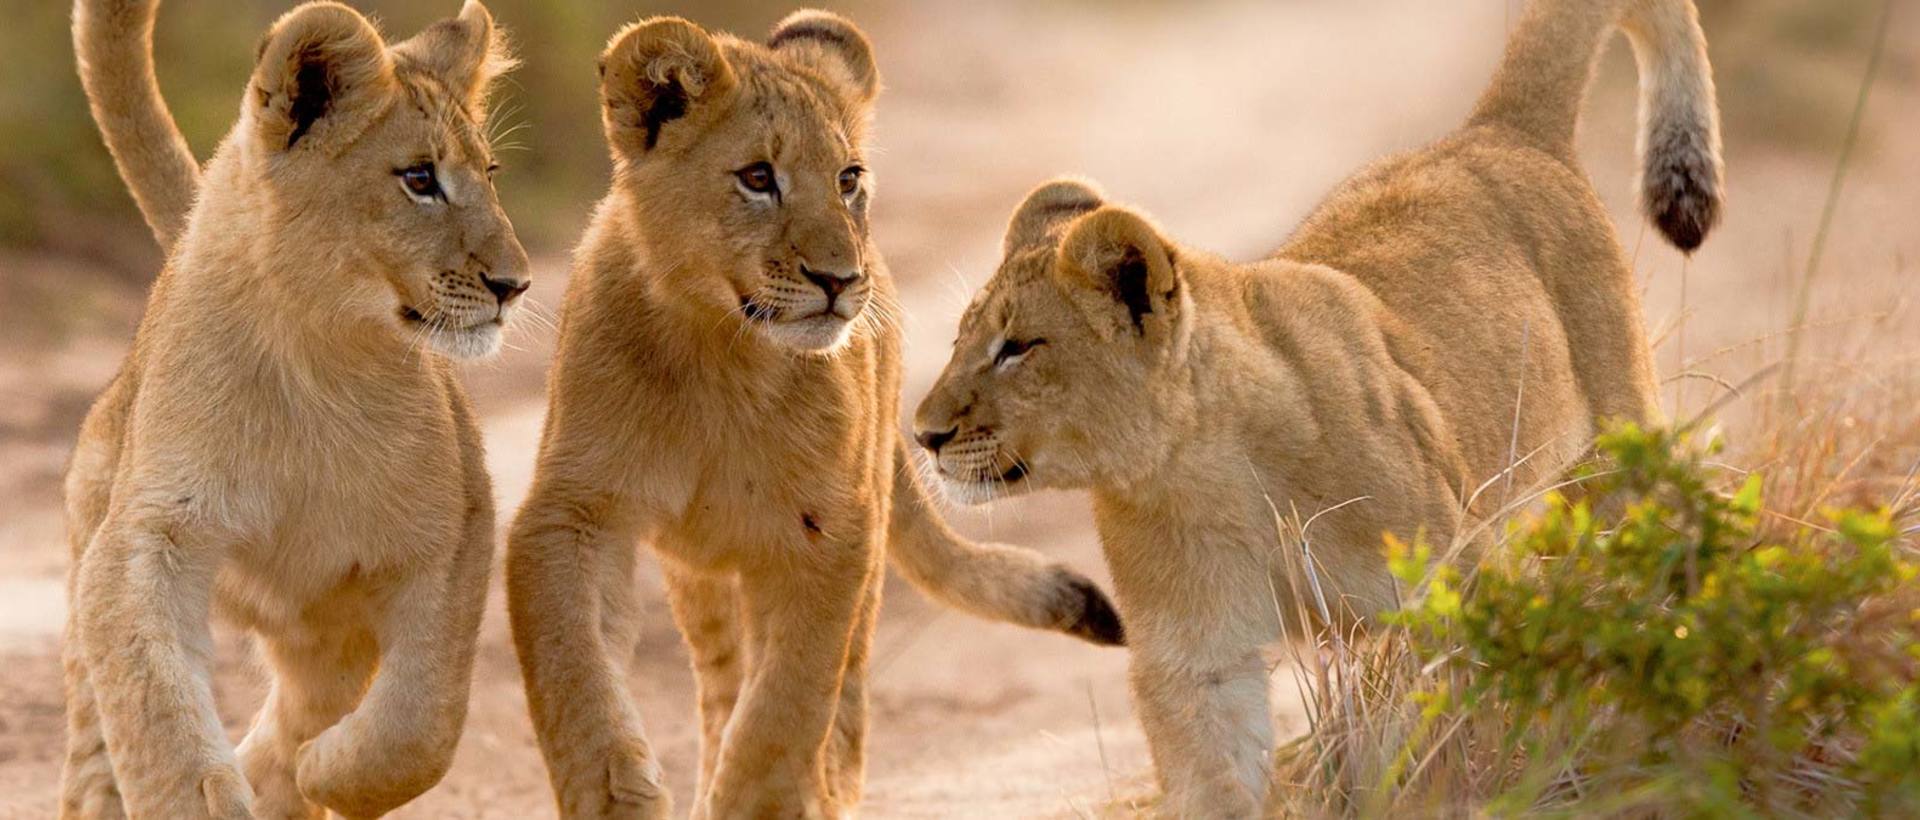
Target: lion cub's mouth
[(413, 318), (757, 311), (471, 341), (984, 485)]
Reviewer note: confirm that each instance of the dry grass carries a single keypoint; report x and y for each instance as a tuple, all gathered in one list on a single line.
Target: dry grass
[(1833, 420)]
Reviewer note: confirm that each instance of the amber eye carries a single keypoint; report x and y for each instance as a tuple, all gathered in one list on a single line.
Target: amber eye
[(758, 178), (419, 180), (850, 180)]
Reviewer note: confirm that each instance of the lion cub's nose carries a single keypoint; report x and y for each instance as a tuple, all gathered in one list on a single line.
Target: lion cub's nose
[(831, 283), (933, 440), (505, 290)]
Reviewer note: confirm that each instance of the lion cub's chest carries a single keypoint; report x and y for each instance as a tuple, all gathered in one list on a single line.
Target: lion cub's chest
[(792, 465), (337, 499)]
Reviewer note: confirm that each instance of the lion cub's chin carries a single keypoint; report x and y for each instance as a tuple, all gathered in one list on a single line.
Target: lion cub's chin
[(470, 343), (814, 334), (975, 493)]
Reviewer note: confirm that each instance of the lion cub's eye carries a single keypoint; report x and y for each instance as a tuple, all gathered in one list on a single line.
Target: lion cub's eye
[(1012, 349), (850, 180), (758, 178), (419, 180)]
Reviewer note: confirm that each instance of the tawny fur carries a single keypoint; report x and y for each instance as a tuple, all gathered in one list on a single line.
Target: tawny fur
[(281, 446), (710, 398), (1441, 316)]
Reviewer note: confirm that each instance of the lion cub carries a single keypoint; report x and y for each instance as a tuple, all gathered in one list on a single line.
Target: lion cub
[(281, 446), (725, 390), (1376, 359)]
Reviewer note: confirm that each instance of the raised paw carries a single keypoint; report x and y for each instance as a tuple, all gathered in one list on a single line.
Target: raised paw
[(366, 777)]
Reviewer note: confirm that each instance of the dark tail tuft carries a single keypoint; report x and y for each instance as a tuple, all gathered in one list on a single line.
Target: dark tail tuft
[(1088, 614), (1680, 185)]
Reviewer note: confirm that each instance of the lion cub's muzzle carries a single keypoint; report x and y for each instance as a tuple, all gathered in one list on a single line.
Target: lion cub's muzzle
[(814, 312), (465, 313), (972, 466)]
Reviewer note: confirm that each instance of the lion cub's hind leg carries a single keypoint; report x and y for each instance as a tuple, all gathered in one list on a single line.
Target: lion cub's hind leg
[(87, 789), (847, 745), (707, 608), (316, 680)]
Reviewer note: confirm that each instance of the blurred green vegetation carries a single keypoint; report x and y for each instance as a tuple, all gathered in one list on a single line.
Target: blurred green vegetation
[(59, 191), (1786, 68)]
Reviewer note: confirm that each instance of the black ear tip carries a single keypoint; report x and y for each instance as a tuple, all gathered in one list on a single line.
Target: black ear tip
[(1096, 621)]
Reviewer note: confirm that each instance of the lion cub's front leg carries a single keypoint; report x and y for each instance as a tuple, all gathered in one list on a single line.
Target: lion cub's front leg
[(401, 738), (144, 594), (317, 678), (575, 620), (1197, 616), (803, 615)]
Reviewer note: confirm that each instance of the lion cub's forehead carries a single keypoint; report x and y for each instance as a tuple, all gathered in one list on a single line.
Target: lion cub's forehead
[(455, 133), (808, 115), (1023, 278)]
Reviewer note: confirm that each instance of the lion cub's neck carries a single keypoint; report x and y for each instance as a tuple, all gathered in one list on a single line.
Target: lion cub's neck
[(1268, 373)]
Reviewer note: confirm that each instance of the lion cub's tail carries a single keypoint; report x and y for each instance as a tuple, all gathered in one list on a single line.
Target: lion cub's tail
[(1540, 85), (114, 42), (994, 581)]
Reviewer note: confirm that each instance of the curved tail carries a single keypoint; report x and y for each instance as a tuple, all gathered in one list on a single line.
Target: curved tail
[(114, 42), (994, 581), (1540, 85)]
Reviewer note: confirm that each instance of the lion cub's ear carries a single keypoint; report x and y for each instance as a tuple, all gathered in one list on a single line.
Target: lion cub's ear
[(831, 45), (466, 52), (1117, 264), (1038, 220), (320, 77), (655, 73)]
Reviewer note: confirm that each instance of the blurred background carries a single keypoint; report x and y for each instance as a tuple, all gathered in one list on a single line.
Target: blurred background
[(1226, 120)]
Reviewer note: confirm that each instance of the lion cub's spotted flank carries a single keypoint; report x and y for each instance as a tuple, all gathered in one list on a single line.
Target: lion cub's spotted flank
[(1371, 365), (282, 444)]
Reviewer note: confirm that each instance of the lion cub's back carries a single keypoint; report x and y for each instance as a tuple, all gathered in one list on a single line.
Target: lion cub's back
[(1488, 250)]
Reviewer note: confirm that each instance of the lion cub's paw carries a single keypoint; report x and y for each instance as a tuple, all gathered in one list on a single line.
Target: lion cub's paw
[(632, 790), (226, 794), (365, 777)]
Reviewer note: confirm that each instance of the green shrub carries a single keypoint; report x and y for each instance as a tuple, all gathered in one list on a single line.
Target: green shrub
[(1687, 655)]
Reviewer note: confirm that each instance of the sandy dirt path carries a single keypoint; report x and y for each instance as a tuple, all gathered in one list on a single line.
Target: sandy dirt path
[(1228, 122)]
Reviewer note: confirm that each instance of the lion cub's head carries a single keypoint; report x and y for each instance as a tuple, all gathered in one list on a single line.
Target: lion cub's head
[(370, 165), (742, 170), (1065, 369)]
